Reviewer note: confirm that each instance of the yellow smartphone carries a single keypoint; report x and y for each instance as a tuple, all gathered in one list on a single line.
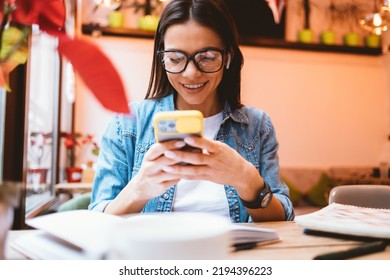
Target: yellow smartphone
[(176, 125)]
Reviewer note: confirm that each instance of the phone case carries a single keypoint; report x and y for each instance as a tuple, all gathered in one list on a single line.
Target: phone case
[(177, 124)]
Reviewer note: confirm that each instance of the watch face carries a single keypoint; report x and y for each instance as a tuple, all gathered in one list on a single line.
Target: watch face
[(266, 200)]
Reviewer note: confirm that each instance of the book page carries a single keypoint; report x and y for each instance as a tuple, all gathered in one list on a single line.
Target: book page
[(84, 229), (246, 234), (39, 245), (348, 219)]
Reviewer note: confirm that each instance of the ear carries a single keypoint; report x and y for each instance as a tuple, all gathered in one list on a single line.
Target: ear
[(228, 61)]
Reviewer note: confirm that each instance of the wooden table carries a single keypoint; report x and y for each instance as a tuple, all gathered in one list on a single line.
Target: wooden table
[(295, 245)]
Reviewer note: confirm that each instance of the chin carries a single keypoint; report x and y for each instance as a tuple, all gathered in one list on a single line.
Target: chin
[(194, 101)]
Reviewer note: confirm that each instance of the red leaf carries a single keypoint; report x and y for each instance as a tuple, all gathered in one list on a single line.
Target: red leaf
[(52, 15), (49, 14), (97, 72)]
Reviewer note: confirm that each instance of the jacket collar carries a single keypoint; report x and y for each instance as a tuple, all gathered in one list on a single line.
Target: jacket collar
[(168, 104)]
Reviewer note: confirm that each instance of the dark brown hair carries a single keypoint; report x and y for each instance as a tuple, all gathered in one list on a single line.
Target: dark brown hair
[(212, 14)]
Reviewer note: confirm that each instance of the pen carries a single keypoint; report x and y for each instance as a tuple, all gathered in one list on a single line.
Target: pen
[(361, 250), (244, 246)]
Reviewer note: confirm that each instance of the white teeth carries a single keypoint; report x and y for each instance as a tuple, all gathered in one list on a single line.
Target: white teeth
[(193, 86)]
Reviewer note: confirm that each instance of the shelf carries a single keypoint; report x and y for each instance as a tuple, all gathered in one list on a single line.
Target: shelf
[(282, 44), (95, 30)]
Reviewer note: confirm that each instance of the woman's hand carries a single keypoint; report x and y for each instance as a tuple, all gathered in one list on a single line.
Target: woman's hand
[(150, 181), (223, 165), (218, 163)]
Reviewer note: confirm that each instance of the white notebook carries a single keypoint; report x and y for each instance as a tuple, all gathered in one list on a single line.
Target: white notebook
[(84, 234)]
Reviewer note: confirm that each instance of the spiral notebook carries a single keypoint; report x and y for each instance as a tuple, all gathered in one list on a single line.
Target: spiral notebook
[(348, 220)]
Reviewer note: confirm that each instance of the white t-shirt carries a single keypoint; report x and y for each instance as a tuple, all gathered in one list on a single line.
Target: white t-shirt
[(200, 195)]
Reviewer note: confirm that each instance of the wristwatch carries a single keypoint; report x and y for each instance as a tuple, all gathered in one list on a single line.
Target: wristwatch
[(263, 199)]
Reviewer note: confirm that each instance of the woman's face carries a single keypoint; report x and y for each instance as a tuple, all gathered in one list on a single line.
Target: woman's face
[(196, 90)]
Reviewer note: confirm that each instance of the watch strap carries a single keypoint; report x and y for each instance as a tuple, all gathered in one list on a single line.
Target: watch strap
[(265, 193)]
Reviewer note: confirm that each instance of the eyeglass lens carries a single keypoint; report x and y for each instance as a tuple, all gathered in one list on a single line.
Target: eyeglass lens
[(208, 61)]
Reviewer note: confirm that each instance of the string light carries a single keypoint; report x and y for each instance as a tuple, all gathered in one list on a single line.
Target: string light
[(377, 21), (112, 4)]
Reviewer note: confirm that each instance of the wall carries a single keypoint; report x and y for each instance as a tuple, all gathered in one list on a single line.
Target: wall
[(328, 109)]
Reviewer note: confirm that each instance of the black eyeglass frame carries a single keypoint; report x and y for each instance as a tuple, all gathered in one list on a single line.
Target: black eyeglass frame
[(192, 57)]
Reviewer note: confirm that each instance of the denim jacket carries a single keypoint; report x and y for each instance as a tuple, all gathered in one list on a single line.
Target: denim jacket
[(128, 137)]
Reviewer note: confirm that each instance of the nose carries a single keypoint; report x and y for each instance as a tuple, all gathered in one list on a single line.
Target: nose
[(191, 70)]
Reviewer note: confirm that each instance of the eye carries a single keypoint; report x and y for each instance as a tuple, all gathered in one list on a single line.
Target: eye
[(208, 56), (174, 58)]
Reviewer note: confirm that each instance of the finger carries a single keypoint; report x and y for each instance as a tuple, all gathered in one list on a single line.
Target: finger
[(161, 179), (195, 158), (202, 143), (168, 177), (158, 149), (154, 168), (185, 171)]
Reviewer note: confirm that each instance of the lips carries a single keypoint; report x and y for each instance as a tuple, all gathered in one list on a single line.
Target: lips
[(193, 86)]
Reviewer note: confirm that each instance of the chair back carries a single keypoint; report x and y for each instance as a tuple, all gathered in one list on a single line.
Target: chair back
[(372, 196)]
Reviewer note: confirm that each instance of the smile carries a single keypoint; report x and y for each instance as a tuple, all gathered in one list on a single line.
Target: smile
[(194, 86)]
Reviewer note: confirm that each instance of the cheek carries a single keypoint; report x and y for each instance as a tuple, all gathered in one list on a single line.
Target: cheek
[(172, 80), (217, 79)]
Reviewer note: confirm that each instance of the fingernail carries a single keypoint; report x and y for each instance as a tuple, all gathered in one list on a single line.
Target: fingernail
[(189, 140), (170, 154), (180, 144)]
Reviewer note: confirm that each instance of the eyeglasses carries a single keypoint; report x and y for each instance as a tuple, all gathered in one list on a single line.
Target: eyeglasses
[(207, 61)]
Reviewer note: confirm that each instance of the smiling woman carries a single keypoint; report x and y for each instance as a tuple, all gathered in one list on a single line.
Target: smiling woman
[(196, 65)]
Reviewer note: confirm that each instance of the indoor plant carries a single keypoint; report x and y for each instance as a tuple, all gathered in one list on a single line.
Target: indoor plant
[(306, 35), (352, 12), (76, 143), (335, 15), (148, 21)]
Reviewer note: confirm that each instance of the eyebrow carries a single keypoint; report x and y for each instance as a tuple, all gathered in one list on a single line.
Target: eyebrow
[(200, 50)]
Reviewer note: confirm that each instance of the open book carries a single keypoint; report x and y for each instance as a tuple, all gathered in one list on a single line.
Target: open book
[(83, 234), (348, 220)]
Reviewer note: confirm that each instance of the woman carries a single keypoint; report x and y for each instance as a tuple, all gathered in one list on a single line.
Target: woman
[(196, 66)]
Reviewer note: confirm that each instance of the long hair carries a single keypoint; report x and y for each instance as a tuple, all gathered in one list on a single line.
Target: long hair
[(212, 14)]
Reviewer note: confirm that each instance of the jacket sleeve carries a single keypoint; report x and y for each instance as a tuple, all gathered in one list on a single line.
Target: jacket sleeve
[(269, 167), (113, 165)]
